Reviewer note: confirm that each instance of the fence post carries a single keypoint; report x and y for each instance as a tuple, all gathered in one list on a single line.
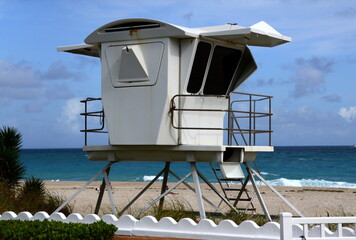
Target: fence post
[(286, 226)]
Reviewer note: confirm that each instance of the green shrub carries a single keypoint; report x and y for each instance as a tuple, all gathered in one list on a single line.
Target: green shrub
[(30, 195), (54, 230), (11, 167)]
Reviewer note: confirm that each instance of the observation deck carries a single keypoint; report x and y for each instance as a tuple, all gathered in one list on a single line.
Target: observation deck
[(248, 123)]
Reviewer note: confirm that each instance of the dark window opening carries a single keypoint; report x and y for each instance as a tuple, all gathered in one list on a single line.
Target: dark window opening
[(199, 66), (246, 67), (222, 68)]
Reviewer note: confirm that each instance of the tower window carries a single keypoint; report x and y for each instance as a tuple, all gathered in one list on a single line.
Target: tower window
[(199, 66), (222, 68)]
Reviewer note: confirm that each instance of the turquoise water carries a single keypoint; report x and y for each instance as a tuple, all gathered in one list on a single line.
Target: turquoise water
[(331, 166)]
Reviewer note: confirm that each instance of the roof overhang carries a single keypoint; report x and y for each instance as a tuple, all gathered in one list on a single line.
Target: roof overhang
[(82, 49)]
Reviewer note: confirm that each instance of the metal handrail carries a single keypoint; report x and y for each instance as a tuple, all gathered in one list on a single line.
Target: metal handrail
[(87, 114), (233, 124), (253, 115), (234, 128)]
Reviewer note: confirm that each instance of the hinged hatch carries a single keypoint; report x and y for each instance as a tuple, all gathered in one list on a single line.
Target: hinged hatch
[(259, 34), (132, 65)]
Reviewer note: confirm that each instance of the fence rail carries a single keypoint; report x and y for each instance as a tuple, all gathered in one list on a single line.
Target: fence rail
[(315, 228), (289, 229)]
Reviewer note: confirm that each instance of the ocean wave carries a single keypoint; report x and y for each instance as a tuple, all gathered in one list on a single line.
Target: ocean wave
[(310, 183), (150, 178), (266, 173)]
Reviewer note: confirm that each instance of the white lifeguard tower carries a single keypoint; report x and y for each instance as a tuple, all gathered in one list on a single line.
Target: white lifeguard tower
[(168, 95)]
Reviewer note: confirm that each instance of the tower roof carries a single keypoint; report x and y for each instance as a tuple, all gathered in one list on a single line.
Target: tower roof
[(259, 34)]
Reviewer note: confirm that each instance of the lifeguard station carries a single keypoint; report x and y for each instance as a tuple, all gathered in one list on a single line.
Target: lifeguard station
[(168, 95)]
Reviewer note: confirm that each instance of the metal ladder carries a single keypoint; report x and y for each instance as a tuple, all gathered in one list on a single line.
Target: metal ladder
[(237, 196)]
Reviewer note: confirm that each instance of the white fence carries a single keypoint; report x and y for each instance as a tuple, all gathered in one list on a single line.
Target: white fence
[(290, 229), (314, 228)]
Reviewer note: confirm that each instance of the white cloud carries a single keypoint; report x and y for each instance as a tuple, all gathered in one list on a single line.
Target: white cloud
[(349, 12), (349, 114), (22, 81), (309, 75), (60, 91), (34, 106), (304, 109), (18, 75), (70, 115), (332, 98), (307, 125), (57, 70)]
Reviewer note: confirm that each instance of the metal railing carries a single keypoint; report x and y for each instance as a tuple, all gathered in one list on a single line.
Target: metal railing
[(236, 128), (259, 106), (243, 124), (97, 114)]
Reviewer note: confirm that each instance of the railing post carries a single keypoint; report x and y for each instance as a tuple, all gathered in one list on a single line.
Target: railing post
[(286, 226), (254, 122), (86, 123), (250, 121), (87, 114), (270, 121), (230, 123)]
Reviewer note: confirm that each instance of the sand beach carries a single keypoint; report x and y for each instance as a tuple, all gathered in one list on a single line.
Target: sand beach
[(311, 201)]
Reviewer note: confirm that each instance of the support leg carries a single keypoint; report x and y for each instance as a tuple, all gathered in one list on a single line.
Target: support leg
[(108, 187), (82, 188), (276, 192), (142, 191), (101, 193), (198, 190), (192, 189), (164, 194), (243, 187), (164, 184), (259, 196), (217, 192)]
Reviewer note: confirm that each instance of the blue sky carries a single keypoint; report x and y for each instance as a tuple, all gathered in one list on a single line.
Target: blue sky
[(312, 78)]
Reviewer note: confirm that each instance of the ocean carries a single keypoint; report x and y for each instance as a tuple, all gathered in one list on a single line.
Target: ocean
[(325, 166)]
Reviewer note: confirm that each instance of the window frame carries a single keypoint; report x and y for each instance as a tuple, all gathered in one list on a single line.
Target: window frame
[(213, 46), (234, 71), (206, 67)]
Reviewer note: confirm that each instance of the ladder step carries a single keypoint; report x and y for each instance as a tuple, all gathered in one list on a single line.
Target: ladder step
[(230, 179), (241, 199), (248, 209), (232, 189)]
